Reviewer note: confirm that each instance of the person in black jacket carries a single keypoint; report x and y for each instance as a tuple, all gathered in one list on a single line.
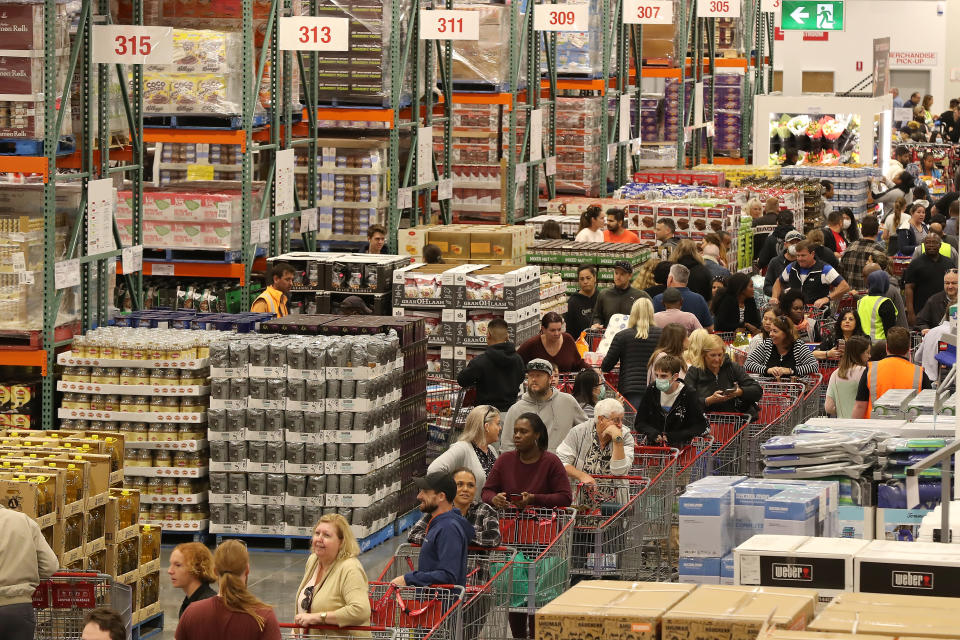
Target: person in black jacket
[(498, 372), (669, 412), (722, 385), (776, 266), (632, 348), (580, 305), (701, 280), (734, 307), (769, 249)]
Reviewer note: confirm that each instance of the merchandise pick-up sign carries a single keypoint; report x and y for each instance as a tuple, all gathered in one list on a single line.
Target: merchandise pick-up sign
[(812, 15)]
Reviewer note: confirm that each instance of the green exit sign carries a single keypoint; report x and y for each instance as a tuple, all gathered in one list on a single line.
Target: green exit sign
[(812, 15)]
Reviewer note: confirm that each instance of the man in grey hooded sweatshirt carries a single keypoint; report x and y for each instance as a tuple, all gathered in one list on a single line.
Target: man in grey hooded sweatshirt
[(559, 411)]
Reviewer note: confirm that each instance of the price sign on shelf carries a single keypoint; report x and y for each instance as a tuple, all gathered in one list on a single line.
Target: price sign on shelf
[(648, 11), (551, 167), (770, 6), (307, 33), (446, 24), (131, 44), (66, 274), (445, 189), (561, 17), (536, 135), (308, 220), (132, 259), (718, 8)]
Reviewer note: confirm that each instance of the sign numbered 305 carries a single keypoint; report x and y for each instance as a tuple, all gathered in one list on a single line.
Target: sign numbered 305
[(449, 24), (648, 12), (132, 44), (718, 8), (561, 17), (307, 33)]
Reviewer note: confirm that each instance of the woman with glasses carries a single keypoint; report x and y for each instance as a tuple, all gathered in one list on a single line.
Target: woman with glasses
[(334, 586), (782, 354), (588, 390), (474, 450), (598, 446), (234, 614)]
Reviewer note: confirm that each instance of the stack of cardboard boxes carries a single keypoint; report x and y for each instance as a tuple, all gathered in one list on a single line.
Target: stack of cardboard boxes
[(465, 243), (70, 483)]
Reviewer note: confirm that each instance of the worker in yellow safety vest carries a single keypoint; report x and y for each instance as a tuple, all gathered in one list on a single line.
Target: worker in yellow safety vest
[(876, 312), (893, 372), (274, 297)]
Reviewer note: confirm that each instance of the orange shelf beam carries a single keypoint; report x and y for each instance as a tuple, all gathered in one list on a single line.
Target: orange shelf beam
[(24, 358), (197, 136), (463, 97), (192, 269), (24, 164), (74, 160), (343, 114)]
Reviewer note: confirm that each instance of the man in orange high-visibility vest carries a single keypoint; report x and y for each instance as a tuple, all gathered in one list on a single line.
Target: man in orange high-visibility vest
[(274, 297), (893, 372)]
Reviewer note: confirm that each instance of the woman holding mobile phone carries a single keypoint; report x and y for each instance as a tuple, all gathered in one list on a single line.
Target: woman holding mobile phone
[(846, 326), (721, 384)]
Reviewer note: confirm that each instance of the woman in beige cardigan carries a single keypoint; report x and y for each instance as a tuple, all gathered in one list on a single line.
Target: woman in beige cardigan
[(334, 587)]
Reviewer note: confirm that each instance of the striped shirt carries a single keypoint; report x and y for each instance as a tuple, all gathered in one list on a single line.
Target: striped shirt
[(799, 359)]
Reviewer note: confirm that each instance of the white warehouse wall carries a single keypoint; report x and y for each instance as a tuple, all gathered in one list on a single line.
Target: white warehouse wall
[(914, 26)]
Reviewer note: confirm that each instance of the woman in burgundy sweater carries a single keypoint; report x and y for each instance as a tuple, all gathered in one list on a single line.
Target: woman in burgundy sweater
[(553, 345), (528, 476)]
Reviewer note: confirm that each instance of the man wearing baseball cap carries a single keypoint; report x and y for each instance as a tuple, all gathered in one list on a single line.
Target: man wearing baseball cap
[(559, 411), (443, 555), (616, 299), (780, 262)]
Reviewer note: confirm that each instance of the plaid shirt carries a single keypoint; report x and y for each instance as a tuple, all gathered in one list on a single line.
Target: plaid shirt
[(483, 517), (854, 259)]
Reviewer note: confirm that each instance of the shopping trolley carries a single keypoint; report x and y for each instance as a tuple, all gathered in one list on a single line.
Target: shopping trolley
[(291, 631), (447, 407), (541, 568), (426, 613), (487, 591), (827, 367), (61, 602), (727, 455), (693, 461), (779, 412), (810, 402)]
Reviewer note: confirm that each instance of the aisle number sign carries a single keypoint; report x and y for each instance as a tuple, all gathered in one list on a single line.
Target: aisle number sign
[(561, 17), (132, 44), (648, 11), (308, 33), (446, 24), (718, 8), (812, 15)]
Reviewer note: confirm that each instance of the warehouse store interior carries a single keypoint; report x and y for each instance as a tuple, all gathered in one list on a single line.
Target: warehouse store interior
[(479, 319)]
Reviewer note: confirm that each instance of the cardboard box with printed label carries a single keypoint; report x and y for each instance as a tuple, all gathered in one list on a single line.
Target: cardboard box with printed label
[(610, 610), (705, 516), (902, 616), (737, 613), (908, 568), (824, 564)]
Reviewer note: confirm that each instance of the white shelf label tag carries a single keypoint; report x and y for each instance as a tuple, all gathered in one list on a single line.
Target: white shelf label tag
[(698, 104), (99, 216), (447, 24), (283, 198), (718, 8), (67, 274), (19, 261), (648, 12), (611, 152), (259, 231), (561, 17), (551, 168), (162, 270), (536, 135), (132, 259), (405, 198), (445, 189), (308, 220), (308, 33), (624, 118), (132, 44), (424, 155)]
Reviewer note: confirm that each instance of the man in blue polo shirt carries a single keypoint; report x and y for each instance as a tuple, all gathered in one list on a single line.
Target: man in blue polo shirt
[(819, 282), (692, 302)]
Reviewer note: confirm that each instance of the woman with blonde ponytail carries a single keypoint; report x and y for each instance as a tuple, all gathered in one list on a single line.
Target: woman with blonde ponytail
[(632, 349), (234, 614)]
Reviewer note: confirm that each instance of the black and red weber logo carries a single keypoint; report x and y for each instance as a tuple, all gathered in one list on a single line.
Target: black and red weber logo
[(790, 571), (912, 580)]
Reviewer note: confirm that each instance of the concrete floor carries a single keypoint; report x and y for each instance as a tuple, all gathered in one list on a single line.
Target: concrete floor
[(274, 578)]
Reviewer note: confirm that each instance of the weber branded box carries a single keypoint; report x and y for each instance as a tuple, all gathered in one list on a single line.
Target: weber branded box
[(737, 613), (610, 610), (824, 564), (705, 516), (908, 568)]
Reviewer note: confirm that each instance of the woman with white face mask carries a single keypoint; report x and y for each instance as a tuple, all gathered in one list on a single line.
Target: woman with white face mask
[(851, 229)]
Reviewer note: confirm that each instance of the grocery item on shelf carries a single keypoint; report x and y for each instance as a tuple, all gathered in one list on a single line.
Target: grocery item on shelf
[(151, 386), (322, 281), (21, 231), (851, 185), (563, 257), (19, 404), (182, 294), (183, 162), (462, 243), (351, 186), (195, 215), (484, 63)]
